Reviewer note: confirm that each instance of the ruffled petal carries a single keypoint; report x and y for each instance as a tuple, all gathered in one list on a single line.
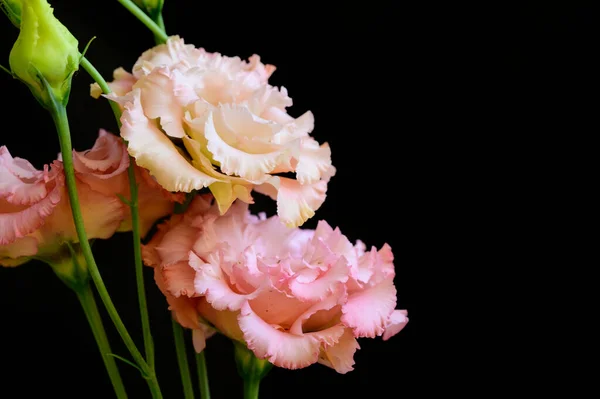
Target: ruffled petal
[(248, 159), (280, 348), (177, 243), (20, 182), (107, 158), (150, 255), (19, 221), (296, 203), (340, 356), (314, 161), (367, 312), (159, 100), (212, 283), (155, 152), (179, 279), (322, 286), (395, 324)]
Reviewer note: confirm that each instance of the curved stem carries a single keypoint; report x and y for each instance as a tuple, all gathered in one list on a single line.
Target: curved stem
[(202, 375), (88, 303), (146, 20), (135, 224), (93, 72), (59, 115), (182, 360)]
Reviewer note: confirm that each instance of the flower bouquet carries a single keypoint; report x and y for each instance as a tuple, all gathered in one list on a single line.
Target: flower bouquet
[(198, 139)]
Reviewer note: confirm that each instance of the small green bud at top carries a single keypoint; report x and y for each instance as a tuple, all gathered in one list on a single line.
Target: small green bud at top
[(44, 50)]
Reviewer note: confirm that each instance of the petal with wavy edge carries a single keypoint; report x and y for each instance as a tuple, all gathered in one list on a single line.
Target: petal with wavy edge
[(222, 143), (177, 243), (395, 324), (162, 97), (179, 279), (19, 221), (20, 182), (281, 348), (314, 161), (296, 203), (367, 312), (323, 286), (212, 283), (155, 152), (340, 356), (184, 309)]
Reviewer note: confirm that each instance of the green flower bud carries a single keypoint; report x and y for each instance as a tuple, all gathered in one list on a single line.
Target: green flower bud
[(45, 55), (12, 9)]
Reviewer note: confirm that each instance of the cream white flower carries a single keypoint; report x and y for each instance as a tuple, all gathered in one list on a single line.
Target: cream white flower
[(196, 119)]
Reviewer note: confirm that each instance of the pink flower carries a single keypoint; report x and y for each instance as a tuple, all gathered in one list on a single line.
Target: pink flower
[(35, 216), (196, 119), (104, 169), (293, 296)]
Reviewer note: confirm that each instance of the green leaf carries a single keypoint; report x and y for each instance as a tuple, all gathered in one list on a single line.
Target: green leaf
[(129, 362)]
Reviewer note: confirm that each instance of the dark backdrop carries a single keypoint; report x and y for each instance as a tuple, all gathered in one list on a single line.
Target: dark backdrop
[(367, 72)]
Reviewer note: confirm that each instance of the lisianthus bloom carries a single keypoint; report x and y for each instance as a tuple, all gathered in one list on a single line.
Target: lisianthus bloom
[(293, 296), (196, 119), (104, 169), (35, 215)]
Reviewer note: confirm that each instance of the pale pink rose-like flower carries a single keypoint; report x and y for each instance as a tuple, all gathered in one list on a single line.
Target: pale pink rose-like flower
[(293, 296), (196, 119), (35, 216), (104, 169)]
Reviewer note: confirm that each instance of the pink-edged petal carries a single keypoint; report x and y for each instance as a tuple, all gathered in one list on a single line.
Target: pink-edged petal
[(340, 356), (305, 320), (155, 152), (20, 182), (323, 286), (150, 255), (211, 282), (250, 160), (280, 348), (159, 100), (179, 279), (106, 159), (17, 222), (296, 203), (367, 312), (395, 324), (17, 252), (224, 321), (177, 243)]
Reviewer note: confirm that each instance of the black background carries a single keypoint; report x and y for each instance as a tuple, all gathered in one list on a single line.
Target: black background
[(436, 117), (358, 69)]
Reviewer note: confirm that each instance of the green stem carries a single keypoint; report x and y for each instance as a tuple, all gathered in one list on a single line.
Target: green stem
[(139, 267), (135, 225), (182, 360), (59, 115), (251, 386), (145, 19), (202, 375), (93, 72), (88, 303)]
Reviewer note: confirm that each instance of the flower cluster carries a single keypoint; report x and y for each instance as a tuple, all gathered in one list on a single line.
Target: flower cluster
[(35, 215), (293, 296), (196, 119)]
